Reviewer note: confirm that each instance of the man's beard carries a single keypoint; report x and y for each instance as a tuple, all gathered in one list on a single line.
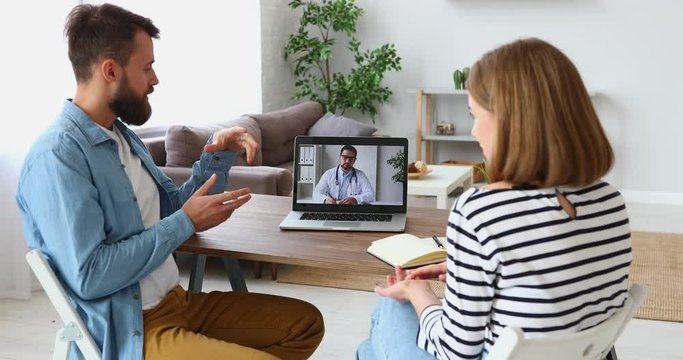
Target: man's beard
[(130, 108)]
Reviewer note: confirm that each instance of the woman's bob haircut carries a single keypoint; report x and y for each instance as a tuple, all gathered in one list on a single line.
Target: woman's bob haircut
[(547, 132)]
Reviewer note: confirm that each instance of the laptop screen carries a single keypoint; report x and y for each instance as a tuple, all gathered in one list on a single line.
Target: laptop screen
[(350, 174)]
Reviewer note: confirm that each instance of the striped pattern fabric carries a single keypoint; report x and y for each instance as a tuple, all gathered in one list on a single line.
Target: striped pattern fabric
[(515, 257)]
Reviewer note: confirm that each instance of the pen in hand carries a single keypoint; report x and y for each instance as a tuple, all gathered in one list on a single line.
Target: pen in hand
[(332, 198), (436, 240)]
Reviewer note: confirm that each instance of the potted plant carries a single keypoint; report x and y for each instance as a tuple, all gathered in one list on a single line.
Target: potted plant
[(396, 162), (311, 49)]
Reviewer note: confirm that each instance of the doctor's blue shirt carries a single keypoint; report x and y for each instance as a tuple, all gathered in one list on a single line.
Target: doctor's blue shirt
[(80, 210)]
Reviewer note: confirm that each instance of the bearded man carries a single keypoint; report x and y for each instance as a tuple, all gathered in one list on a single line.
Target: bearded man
[(108, 219)]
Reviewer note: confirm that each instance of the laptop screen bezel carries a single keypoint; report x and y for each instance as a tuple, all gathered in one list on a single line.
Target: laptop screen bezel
[(353, 140)]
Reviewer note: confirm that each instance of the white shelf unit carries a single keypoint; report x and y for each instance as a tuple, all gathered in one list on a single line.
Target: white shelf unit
[(448, 138), (425, 118), (309, 169)]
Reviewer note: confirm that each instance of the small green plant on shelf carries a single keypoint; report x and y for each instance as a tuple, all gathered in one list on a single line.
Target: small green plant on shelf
[(481, 167), (460, 78), (397, 162)]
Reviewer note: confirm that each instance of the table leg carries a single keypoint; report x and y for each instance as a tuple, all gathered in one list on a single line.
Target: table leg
[(197, 272), (232, 267), (273, 271), (442, 201), (257, 269), (467, 184)]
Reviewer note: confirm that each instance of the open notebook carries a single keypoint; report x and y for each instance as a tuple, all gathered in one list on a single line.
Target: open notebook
[(408, 251), (325, 185)]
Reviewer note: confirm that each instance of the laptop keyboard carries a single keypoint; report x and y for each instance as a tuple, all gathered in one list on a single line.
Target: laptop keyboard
[(346, 217)]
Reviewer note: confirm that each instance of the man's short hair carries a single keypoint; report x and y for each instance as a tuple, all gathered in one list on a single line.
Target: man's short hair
[(350, 148), (96, 32)]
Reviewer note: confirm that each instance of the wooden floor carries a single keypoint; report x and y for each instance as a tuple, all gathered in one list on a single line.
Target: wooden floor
[(27, 327)]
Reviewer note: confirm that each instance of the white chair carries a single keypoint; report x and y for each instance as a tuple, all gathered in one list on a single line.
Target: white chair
[(594, 343), (72, 330)]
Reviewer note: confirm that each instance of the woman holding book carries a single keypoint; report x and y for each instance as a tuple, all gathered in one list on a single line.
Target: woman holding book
[(545, 246)]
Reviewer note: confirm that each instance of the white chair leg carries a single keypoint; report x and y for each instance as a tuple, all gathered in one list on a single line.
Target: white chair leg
[(66, 335), (61, 350), (73, 330)]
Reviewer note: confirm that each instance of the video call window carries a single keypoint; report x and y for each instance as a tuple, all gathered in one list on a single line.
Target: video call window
[(333, 172)]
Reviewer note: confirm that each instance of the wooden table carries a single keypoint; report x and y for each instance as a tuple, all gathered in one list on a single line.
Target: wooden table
[(252, 233), (440, 182)]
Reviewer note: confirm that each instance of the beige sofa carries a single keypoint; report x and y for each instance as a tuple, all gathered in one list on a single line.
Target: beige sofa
[(177, 147)]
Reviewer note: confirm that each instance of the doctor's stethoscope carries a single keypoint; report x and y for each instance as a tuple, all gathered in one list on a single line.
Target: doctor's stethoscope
[(336, 176)]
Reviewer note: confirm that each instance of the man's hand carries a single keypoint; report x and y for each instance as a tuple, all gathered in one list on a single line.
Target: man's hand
[(330, 200), (236, 139), (349, 201), (206, 211)]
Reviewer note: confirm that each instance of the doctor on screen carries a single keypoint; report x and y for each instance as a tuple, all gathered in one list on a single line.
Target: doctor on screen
[(344, 184)]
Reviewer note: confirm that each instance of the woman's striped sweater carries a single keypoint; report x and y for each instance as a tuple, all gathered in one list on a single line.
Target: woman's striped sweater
[(516, 258)]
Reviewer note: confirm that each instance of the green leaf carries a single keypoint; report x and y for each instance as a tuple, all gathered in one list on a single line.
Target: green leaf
[(396, 161), (312, 48)]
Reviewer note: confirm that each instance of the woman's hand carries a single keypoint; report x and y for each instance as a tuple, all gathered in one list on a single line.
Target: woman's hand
[(236, 139), (402, 289), (428, 272)]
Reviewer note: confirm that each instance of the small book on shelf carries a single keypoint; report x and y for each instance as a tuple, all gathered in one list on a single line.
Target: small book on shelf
[(407, 250)]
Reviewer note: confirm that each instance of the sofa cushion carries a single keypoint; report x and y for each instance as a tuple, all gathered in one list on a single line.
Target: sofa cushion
[(279, 128), (337, 125), (157, 148), (184, 144)]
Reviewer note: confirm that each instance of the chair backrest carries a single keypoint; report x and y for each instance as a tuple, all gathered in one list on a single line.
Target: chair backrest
[(593, 343), (72, 329)]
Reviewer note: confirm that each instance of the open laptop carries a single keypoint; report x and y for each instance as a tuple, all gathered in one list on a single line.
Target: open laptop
[(325, 185)]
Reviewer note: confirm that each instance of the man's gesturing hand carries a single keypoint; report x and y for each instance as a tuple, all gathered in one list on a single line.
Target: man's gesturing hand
[(236, 139), (206, 211)]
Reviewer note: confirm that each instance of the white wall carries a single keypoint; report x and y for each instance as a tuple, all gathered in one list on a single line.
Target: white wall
[(628, 51), (277, 78), (36, 77), (208, 63), (388, 190), (208, 59)]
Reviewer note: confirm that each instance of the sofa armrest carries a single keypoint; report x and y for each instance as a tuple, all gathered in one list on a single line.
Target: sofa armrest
[(178, 174), (260, 179)]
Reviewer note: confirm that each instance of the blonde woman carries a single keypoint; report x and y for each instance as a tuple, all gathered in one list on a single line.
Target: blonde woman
[(545, 246)]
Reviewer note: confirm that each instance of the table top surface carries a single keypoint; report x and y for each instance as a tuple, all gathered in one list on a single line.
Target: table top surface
[(253, 233), (441, 176)]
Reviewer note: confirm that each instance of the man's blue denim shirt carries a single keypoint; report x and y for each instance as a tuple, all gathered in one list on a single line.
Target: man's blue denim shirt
[(79, 208)]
